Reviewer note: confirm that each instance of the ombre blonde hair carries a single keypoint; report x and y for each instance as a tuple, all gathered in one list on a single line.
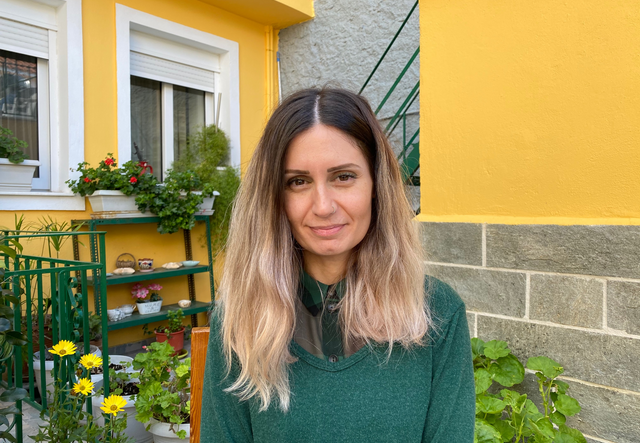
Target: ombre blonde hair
[(385, 297)]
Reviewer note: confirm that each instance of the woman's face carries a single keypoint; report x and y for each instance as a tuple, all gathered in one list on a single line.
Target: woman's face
[(328, 192)]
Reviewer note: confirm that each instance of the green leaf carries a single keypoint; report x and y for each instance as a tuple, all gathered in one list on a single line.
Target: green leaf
[(4, 421), (485, 433), (16, 338), (558, 418), (567, 405), (569, 435), (489, 405), (562, 386), (8, 251), (477, 346), (550, 368), (482, 378), (496, 349), (6, 311), (182, 370), (507, 371), (542, 429), (13, 394), (506, 430)]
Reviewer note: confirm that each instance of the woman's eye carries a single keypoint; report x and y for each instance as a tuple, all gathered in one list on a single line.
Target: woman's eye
[(346, 177), (296, 182)]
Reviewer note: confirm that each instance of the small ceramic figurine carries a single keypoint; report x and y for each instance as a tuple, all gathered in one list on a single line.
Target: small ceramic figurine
[(124, 271), (184, 303), (172, 265), (145, 264)]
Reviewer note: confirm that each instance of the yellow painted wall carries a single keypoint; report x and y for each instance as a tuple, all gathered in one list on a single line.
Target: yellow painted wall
[(257, 95), (530, 111)]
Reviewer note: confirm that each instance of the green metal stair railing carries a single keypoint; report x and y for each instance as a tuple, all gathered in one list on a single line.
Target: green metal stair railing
[(409, 157), (28, 278)]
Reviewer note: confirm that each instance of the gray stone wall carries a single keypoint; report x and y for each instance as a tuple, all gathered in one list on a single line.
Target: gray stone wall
[(571, 293)]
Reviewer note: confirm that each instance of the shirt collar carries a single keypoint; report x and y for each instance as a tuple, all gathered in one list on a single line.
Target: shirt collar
[(313, 293)]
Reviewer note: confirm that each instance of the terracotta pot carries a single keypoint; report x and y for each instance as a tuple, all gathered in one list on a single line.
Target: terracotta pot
[(176, 340)]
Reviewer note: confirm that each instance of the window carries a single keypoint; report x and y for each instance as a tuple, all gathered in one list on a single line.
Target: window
[(41, 96), (172, 80)]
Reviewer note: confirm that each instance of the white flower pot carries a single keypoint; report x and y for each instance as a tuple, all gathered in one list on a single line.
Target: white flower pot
[(116, 360), (114, 204), (17, 176), (135, 429), (162, 432), (149, 308), (206, 208), (48, 367)]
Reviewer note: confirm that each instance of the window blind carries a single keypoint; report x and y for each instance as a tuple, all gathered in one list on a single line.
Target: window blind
[(24, 39)]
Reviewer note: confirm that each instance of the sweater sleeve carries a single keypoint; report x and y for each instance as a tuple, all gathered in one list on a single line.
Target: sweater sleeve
[(451, 413), (224, 418)]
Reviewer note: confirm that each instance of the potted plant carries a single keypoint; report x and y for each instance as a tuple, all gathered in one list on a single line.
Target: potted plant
[(206, 154), (110, 188), (147, 306), (66, 418), (173, 332), (16, 171), (176, 201), (163, 400), (124, 382)]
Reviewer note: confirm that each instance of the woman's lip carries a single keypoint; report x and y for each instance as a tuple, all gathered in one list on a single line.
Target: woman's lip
[(326, 231)]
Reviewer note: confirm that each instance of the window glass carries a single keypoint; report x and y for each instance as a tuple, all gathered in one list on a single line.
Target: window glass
[(188, 116), (146, 123), (19, 98)]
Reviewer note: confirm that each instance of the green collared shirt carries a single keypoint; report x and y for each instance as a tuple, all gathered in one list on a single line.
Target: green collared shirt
[(317, 326)]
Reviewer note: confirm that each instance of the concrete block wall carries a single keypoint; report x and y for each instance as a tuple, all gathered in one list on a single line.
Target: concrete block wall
[(571, 293)]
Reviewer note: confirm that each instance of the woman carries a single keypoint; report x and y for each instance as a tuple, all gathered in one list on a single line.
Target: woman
[(327, 330)]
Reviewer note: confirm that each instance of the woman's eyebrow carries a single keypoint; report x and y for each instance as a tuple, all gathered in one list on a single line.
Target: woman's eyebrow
[(295, 171), (345, 166)]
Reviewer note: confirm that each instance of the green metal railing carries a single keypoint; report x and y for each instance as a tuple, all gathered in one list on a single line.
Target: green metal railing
[(49, 303), (409, 157)]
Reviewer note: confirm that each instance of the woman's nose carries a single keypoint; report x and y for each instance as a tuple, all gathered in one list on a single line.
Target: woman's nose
[(323, 204)]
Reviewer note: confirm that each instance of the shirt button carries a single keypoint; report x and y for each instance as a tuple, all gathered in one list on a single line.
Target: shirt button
[(331, 307), (333, 358)]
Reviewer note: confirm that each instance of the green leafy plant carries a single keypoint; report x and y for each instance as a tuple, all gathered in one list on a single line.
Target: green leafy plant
[(509, 416), (176, 201), (164, 386), (206, 153), (175, 319), (131, 178), (66, 418), (11, 147)]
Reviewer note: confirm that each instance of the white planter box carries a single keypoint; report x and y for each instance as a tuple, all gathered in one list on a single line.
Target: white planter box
[(114, 204), (206, 208), (135, 429), (17, 177), (149, 308)]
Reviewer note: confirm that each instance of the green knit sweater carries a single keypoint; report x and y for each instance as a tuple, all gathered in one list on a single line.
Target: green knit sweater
[(425, 394)]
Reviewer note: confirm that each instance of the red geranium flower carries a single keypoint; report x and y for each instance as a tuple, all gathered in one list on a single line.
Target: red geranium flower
[(87, 180), (108, 161), (133, 180)]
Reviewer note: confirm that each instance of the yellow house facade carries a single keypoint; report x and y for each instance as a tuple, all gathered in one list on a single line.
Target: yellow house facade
[(81, 77)]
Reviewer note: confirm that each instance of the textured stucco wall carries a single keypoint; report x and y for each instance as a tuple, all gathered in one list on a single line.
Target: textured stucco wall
[(343, 43)]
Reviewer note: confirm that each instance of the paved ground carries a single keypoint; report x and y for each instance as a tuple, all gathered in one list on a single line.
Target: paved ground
[(31, 416)]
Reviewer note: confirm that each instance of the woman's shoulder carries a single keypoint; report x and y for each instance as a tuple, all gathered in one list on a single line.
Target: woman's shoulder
[(443, 301)]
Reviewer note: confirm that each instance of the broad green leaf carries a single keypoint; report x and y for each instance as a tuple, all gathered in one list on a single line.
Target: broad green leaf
[(7, 436), (13, 394), (558, 418), (495, 349), (567, 405), (182, 370), (12, 298), (507, 371), (566, 432), (550, 368), (16, 338), (562, 386), (489, 405), (6, 311), (8, 251), (477, 346), (485, 433), (482, 379), (542, 429), (505, 429)]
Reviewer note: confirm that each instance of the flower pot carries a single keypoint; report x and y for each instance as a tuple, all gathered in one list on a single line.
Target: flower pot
[(116, 360), (162, 432), (176, 340), (17, 176), (48, 367), (206, 208), (114, 204), (149, 308), (135, 429)]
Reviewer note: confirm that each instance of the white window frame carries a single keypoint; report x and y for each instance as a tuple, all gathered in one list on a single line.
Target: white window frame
[(64, 103), (227, 82)]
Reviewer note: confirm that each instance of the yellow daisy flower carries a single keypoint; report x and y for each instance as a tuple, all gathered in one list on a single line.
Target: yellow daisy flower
[(84, 386), (90, 361), (113, 404), (64, 348)]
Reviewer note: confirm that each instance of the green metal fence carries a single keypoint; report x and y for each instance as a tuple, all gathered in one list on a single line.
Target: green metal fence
[(46, 300)]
